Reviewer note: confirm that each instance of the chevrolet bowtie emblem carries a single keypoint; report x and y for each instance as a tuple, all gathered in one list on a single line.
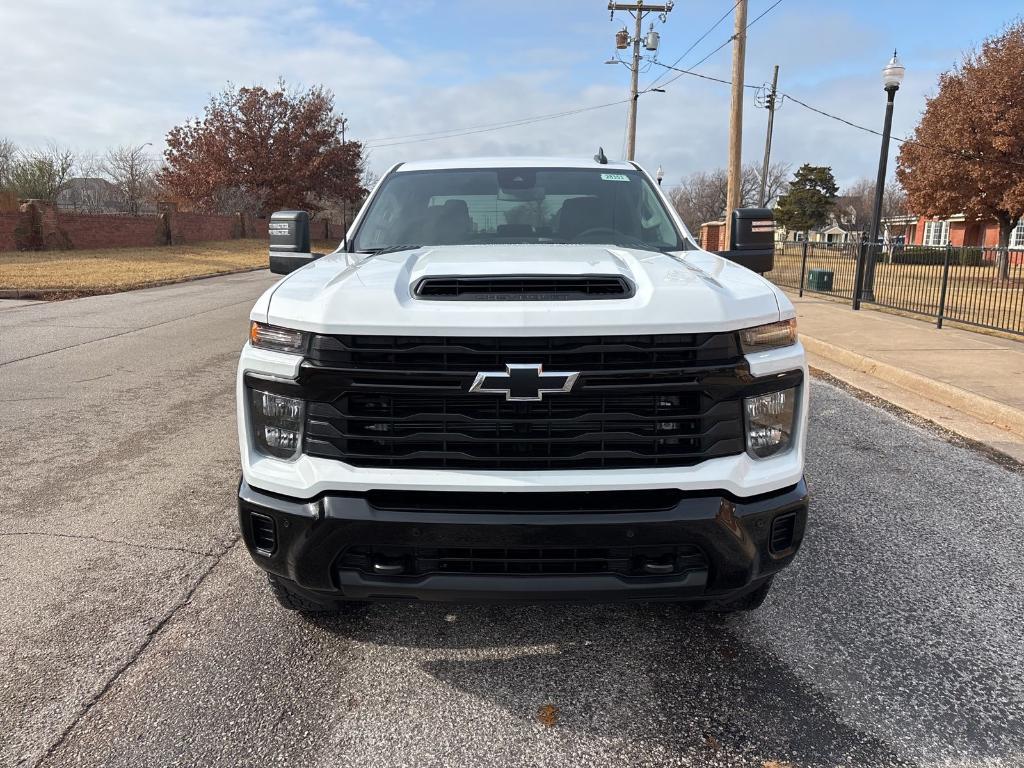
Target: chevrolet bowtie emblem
[(523, 382)]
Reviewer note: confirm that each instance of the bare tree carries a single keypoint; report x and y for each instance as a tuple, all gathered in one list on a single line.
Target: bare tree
[(130, 169), (859, 200), (41, 174), (702, 195), (8, 157), (777, 182)]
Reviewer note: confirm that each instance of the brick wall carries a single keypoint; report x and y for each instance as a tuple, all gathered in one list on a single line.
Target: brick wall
[(40, 225), (199, 227), (256, 227), (8, 223), (711, 235), (107, 231)]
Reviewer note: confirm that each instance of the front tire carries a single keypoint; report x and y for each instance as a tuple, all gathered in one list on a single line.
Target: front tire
[(289, 598)]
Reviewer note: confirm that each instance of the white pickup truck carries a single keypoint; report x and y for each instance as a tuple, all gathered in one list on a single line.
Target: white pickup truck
[(520, 379)]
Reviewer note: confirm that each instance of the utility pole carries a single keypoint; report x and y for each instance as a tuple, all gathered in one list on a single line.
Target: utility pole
[(739, 53), (770, 104), (634, 84), (639, 10)]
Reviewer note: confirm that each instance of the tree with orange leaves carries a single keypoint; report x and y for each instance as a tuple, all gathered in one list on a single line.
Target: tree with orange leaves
[(967, 153), (258, 150)]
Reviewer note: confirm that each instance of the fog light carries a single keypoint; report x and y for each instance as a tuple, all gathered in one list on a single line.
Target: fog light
[(770, 423), (276, 423)]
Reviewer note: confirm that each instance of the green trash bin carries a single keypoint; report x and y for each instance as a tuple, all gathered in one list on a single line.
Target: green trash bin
[(820, 280)]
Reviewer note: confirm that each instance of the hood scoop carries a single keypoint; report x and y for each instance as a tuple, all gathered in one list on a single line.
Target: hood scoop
[(524, 288)]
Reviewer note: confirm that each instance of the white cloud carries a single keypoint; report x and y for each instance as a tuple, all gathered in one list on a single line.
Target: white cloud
[(121, 71)]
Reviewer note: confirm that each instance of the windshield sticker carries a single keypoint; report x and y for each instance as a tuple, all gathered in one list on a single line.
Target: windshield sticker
[(614, 177)]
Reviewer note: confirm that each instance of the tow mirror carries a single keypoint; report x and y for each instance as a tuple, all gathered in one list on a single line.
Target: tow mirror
[(753, 239), (289, 242)]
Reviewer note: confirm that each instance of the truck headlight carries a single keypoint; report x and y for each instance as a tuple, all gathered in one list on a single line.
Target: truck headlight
[(770, 336), (276, 423), (276, 338), (770, 422)]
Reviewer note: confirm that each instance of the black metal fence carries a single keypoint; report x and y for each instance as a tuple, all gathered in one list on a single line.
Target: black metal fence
[(976, 286)]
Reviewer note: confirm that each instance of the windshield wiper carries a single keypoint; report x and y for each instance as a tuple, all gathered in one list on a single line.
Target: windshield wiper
[(391, 249), (622, 240)]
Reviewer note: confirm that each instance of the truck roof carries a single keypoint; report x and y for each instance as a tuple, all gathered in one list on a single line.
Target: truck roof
[(512, 162)]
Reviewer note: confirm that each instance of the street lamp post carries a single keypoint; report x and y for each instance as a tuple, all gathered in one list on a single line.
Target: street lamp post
[(864, 282), (659, 174)]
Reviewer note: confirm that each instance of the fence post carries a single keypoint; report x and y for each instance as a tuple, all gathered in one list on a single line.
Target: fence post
[(945, 282), (858, 273), (803, 267)]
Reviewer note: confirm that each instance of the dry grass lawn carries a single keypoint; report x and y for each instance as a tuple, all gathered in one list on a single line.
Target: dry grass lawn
[(59, 274)]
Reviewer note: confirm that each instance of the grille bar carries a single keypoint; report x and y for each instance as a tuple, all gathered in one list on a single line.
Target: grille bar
[(657, 400), (461, 353), (624, 561)]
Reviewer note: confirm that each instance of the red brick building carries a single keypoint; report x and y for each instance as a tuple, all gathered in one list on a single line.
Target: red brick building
[(957, 231)]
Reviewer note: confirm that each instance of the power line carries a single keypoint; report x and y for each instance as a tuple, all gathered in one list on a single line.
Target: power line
[(697, 42), (959, 153), (764, 13), (450, 133), (729, 40)]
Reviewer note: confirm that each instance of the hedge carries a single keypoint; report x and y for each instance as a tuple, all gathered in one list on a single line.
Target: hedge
[(923, 254)]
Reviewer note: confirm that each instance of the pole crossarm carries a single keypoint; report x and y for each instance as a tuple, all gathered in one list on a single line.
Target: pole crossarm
[(639, 6)]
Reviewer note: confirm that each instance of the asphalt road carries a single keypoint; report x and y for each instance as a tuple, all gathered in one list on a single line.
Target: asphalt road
[(135, 631)]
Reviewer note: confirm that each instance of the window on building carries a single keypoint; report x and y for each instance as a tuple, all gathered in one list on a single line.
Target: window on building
[(936, 233), (1017, 235)]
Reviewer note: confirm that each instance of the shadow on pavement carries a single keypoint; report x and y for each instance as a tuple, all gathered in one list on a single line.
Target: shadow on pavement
[(637, 672)]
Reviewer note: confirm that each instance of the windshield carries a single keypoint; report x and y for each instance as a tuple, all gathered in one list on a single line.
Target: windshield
[(517, 205)]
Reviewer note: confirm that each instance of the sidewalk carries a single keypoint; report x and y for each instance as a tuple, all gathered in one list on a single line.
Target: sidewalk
[(969, 383)]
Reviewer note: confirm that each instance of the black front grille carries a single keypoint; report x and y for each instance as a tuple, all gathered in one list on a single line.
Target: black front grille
[(640, 401), (665, 560), (524, 288)]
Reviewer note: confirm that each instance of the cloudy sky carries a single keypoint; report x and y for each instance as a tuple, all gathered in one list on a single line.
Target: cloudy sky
[(92, 73)]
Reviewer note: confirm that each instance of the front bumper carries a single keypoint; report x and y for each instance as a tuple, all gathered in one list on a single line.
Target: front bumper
[(308, 542)]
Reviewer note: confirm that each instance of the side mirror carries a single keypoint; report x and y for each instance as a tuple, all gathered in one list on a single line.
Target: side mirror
[(289, 242), (753, 239)]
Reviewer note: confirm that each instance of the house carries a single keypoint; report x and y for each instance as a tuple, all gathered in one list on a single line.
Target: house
[(958, 231), (841, 226)]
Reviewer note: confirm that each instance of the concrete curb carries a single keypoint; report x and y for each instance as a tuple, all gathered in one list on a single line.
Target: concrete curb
[(978, 406), (57, 294)]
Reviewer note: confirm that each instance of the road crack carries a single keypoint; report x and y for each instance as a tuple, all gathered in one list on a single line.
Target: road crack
[(101, 540), (151, 635)]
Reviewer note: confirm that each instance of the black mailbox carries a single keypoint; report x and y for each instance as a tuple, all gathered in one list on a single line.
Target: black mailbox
[(289, 241), (753, 239)]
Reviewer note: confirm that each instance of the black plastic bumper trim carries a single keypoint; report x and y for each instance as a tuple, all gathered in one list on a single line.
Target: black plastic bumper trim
[(733, 534)]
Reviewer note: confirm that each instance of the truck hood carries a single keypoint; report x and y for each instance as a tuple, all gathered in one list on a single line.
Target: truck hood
[(686, 292)]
